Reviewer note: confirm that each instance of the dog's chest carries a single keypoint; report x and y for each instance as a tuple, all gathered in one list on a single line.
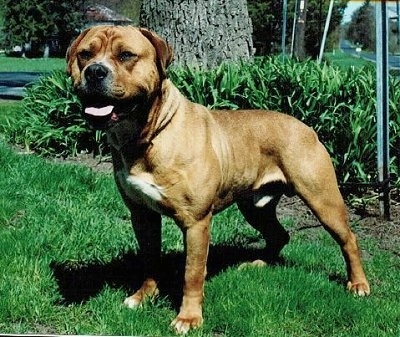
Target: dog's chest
[(141, 189)]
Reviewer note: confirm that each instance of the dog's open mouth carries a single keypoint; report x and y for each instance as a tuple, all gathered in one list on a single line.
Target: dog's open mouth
[(101, 116), (102, 112), (99, 111)]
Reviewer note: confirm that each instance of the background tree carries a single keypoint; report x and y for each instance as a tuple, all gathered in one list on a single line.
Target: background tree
[(201, 32), (361, 29), (317, 10), (300, 29), (2, 5), (394, 43), (266, 16), (33, 24)]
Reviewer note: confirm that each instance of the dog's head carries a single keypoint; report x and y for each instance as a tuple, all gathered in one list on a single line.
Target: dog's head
[(116, 69)]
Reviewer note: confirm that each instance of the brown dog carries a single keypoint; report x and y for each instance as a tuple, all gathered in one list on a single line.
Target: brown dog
[(177, 158)]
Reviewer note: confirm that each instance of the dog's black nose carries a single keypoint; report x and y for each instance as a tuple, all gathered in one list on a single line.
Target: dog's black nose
[(96, 73)]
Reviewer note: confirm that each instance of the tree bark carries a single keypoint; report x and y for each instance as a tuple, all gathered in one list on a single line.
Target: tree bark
[(203, 33), (299, 47)]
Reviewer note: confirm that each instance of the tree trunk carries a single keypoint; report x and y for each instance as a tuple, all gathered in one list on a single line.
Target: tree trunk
[(203, 33), (299, 47)]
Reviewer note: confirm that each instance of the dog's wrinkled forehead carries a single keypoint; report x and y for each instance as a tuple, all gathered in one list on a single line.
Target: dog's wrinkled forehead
[(113, 40), (118, 42)]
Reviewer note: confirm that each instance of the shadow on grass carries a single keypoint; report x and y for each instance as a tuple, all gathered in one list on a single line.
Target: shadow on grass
[(78, 283)]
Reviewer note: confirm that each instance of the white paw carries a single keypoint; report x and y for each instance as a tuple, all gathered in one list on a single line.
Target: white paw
[(132, 302), (181, 328), (255, 263)]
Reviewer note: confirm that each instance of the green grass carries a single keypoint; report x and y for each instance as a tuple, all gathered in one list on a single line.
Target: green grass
[(345, 61), (338, 58), (8, 111), (67, 260), (31, 65)]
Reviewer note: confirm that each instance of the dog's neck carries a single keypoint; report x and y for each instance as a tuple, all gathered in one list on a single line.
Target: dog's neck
[(162, 111), (124, 133)]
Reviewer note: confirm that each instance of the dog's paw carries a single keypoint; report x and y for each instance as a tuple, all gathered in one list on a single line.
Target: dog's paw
[(255, 263), (148, 291), (359, 288), (132, 302), (183, 324)]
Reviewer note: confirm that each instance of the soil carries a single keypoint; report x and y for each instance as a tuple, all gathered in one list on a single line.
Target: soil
[(364, 210)]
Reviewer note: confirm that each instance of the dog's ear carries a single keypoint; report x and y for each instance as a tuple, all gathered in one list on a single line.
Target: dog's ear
[(164, 51), (71, 57)]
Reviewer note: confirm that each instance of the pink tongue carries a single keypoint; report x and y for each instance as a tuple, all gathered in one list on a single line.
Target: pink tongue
[(99, 112)]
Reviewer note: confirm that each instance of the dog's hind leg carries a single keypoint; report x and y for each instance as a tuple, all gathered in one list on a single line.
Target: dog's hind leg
[(329, 208), (318, 188), (265, 221)]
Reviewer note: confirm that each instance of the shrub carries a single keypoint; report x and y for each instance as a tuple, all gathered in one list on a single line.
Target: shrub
[(339, 105)]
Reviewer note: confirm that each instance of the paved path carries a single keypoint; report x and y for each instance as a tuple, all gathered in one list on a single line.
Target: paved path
[(12, 83), (347, 47)]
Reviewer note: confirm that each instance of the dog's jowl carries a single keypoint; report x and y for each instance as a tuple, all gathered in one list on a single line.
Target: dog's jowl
[(177, 158)]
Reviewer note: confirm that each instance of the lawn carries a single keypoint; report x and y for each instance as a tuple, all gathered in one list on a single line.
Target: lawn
[(8, 111), (345, 61), (338, 58), (68, 259), (30, 65)]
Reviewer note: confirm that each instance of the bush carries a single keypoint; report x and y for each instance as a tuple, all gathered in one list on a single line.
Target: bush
[(339, 105)]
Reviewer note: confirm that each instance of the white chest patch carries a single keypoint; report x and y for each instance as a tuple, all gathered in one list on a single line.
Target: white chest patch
[(262, 200), (141, 189)]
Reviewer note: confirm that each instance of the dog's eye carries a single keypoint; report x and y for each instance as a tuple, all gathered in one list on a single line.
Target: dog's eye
[(126, 56), (85, 54)]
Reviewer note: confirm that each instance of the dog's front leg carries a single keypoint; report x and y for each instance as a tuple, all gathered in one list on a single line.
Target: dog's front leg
[(147, 227), (197, 239)]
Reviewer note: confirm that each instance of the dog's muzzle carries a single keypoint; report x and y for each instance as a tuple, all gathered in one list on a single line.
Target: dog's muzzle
[(94, 91), (96, 81), (95, 74), (102, 107)]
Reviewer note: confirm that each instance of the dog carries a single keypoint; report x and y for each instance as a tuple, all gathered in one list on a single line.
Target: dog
[(176, 158)]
